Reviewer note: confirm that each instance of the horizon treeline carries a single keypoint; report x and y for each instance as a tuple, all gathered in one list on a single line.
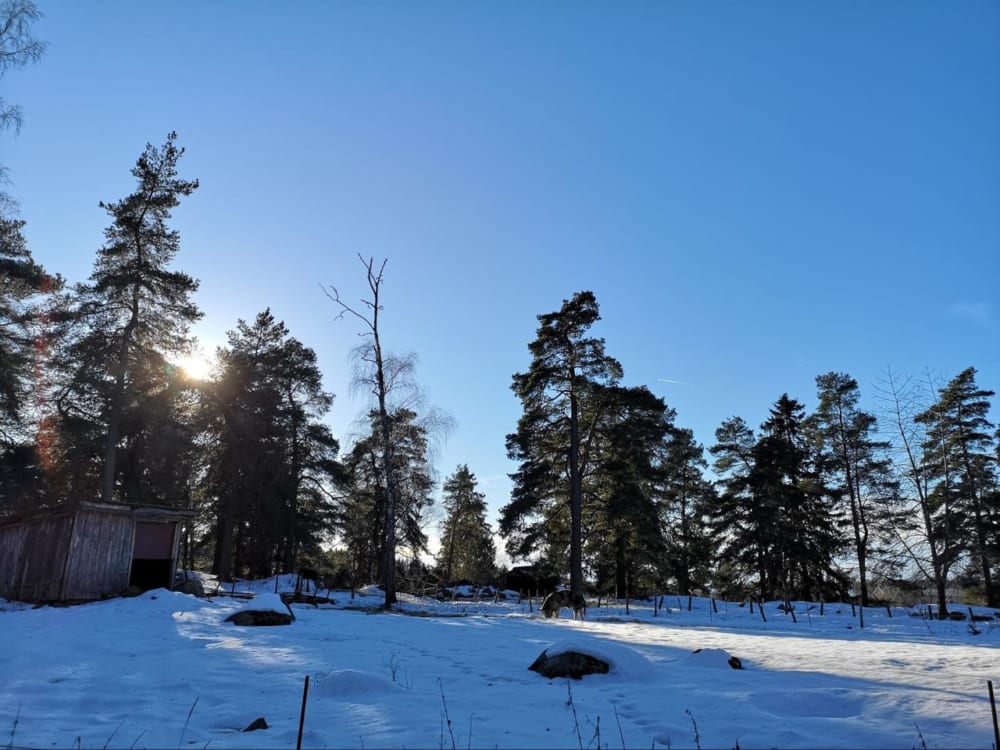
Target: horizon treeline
[(609, 490)]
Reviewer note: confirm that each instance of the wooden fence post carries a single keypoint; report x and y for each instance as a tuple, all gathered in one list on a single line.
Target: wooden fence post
[(302, 715), (993, 708)]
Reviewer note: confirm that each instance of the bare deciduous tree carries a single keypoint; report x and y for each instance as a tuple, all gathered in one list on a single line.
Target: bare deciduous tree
[(381, 376), (932, 545), (18, 47), (389, 380)]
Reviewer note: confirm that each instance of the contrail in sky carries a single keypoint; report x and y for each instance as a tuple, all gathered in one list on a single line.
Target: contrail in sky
[(668, 380)]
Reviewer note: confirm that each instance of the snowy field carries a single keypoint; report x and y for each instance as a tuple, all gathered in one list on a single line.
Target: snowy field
[(164, 670)]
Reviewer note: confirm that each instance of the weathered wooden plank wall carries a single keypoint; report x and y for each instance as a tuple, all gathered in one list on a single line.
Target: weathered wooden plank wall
[(33, 557), (100, 555)]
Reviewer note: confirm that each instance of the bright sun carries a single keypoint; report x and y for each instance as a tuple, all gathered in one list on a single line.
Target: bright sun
[(196, 365)]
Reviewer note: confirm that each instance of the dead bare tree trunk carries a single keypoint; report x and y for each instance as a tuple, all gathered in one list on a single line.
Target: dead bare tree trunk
[(381, 388)]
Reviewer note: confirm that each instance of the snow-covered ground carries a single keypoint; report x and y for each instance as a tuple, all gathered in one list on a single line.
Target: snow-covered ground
[(164, 670)]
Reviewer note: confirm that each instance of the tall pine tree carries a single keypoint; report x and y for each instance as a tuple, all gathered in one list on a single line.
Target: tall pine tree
[(116, 400), (856, 467), (959, 449), (138, 310), (561, 397)]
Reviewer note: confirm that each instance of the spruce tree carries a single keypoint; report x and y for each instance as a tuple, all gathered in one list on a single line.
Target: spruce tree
[(686, 499), (467, 548), (625, 540), (773, 515), (742, 520), (808, 538), (272, 463)]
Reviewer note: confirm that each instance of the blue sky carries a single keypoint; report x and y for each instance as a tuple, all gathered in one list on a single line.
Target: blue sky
[(757, 193)]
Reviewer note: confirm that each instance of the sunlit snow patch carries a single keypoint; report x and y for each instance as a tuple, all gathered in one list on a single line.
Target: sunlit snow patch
[(350, 682), (711, 658)]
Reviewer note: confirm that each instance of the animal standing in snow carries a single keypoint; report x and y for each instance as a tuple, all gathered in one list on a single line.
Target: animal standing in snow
[(557, 600)]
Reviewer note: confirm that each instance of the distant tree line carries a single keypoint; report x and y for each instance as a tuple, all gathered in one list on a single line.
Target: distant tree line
[(811, 506), (609, 491)]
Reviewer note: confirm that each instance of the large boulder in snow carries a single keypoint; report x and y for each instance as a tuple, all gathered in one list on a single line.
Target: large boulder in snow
[(577, 657), (191, 586), (568, 664), (263, 609)]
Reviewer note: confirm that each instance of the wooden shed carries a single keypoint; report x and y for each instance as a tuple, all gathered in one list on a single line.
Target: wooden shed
[(85, 550)]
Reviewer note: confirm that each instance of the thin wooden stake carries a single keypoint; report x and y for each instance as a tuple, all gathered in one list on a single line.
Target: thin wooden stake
[(302, 716), (993, 708)]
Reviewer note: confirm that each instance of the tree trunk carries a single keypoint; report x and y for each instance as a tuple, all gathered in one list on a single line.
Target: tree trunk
[(291, 542), (575, 499), (222, 564), (389, 551), (984, 561), (981, 530), (450, 554), (621, 569), (854, 493), (118, 407), (684, 562), (937, 565)]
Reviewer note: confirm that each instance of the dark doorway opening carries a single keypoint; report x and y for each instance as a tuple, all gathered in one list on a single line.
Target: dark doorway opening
[(152, 556)]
